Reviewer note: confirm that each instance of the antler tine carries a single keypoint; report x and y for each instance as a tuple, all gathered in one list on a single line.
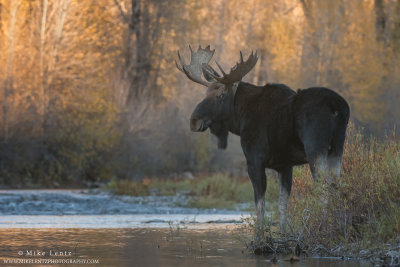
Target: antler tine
[(239, 70), (182, 63), (177, 66), (220, 68), (195, 69), (209, 70)]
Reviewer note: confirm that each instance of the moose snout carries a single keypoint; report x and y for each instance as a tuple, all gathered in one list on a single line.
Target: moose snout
[(198, 125)]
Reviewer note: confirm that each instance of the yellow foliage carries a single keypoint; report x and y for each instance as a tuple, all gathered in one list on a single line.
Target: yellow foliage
[(362, 60), (65, 70)]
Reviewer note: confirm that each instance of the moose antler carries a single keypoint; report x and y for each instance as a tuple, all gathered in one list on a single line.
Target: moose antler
[(199, 65), (238, 71), (197, 60)]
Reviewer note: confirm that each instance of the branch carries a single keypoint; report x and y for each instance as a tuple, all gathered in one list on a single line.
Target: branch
[(123, 14)]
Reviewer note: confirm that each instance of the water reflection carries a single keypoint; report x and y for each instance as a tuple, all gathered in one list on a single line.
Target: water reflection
[(142, 247)]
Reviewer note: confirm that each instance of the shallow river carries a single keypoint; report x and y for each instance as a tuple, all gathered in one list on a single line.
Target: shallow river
[(67, 228), (139, 247)]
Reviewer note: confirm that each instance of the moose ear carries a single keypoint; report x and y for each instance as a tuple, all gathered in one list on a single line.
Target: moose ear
[(234, 87)]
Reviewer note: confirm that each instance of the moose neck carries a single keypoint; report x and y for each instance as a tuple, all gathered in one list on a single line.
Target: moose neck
[(245, 95), (230, 124), (233, 121)]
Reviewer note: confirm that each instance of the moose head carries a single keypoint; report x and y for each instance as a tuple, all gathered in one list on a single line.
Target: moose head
[(215, 111)]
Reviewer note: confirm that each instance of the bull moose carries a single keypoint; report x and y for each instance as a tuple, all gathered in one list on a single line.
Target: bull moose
[(278, 127)]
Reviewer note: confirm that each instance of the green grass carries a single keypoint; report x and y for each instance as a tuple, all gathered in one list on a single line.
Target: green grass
[(213, 191), (127, 187)]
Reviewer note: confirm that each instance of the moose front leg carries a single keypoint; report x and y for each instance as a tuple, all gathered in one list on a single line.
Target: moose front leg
[(259, 181), (285, 187)]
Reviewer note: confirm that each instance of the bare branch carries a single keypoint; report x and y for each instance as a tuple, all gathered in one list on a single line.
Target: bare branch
[(123, 14)]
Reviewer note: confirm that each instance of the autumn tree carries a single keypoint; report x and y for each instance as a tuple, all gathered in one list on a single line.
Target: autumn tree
[(89, 89)]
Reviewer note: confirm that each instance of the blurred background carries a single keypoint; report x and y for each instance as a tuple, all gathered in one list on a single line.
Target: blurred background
[(89, 91)]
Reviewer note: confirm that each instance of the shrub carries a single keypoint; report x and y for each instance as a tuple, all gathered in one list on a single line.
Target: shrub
[(363, 209)]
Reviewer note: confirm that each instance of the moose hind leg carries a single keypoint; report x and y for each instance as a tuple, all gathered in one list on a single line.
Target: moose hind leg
[(334, 166), (316, 134), (318, 165), (316, 148), (285, 187), (335, 155)]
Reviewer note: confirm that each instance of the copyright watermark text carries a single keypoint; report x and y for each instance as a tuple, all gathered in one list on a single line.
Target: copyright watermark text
[(47, 256), (49, 261)]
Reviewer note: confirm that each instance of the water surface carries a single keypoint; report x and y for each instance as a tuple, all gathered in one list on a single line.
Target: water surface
[(55, 227), (143, 247)]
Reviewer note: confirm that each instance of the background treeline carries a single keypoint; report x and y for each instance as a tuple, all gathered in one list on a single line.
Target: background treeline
[(89, 90)]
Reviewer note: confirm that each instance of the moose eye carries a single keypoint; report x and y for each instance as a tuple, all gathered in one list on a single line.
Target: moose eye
[(221, 97)]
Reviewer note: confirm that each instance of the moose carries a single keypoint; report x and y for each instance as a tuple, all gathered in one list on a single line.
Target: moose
[(278, 127)]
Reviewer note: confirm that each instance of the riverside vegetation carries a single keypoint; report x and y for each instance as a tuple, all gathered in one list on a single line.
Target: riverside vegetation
[(360, 219)]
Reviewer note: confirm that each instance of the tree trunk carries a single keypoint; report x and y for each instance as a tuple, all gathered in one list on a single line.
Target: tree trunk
[(41, 59), (8, 80), (380, 20), (136, 72), (145, 26), (63, 5), (1, 17), (143, 23), (311, 49)]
